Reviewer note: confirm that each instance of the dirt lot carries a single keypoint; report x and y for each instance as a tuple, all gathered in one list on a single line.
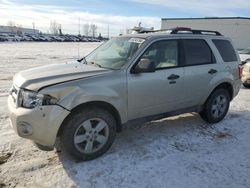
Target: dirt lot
[(181, 151)]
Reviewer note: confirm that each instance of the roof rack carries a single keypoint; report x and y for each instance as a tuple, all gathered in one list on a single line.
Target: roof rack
[(176, 30), (186, 30)]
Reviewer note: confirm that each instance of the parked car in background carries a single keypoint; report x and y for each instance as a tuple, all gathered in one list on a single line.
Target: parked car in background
[(42, 38), (3, 38), (58, 38), (245, 55), (18, 38), (246, 74), (10, 37), (27, 38), (143, 76), (34, 38)]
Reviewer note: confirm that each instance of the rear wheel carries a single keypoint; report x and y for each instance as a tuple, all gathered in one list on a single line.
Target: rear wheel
[(216, 107), (246, 85), (89, 133)]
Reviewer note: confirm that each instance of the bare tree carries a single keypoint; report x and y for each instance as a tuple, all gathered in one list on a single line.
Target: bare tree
[(54, 28), (11, 23), (93, 29), (19, 29), (86, 29), (12, 26)]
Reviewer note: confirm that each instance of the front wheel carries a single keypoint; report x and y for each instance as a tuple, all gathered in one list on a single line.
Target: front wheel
[(216, 107), (89, 133)]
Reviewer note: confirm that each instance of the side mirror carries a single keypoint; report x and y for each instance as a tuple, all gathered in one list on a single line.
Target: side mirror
[(144, 65)]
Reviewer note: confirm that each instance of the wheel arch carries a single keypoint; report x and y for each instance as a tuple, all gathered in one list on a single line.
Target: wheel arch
[(99, 104), (224, 85)]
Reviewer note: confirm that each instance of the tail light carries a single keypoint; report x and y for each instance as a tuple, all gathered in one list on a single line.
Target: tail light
[(240, 71)]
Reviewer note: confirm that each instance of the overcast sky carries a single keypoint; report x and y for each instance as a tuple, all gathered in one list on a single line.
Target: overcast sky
[(119, 14)]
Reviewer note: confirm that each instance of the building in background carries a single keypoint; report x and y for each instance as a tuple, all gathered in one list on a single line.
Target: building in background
[(237, 28), (18, 30)]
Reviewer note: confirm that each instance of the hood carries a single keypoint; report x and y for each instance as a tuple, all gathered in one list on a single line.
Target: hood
[(36, 78), (244, 57)]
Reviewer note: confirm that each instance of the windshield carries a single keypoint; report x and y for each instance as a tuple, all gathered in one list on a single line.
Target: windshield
[(114, 53), (246, 51)]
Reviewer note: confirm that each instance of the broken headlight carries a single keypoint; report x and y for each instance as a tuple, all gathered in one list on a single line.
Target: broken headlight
[(30, 99)]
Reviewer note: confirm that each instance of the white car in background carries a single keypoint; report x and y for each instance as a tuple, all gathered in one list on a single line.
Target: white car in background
[(246, 75), (245, 55), (245, 62)]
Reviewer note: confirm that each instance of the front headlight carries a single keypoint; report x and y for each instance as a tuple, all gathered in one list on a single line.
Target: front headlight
[(29, 99)]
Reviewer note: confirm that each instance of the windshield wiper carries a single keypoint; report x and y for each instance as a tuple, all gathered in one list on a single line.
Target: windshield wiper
[(82, 59), (100, 66)]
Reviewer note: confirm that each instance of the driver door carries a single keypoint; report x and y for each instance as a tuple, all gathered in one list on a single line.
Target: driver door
[(152, 93)]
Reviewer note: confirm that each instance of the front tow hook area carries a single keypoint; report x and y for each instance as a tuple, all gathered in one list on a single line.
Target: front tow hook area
[(44, 148)]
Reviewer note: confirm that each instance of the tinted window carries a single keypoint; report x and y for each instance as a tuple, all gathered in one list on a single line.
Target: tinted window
[(163, 53), (226, 50), (197, 52)]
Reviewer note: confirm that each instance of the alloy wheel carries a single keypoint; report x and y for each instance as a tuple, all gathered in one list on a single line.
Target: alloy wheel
[(219, 106), (91, 135)]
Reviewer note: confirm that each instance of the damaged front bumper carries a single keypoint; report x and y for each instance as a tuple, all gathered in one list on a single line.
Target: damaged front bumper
[(40, 124)]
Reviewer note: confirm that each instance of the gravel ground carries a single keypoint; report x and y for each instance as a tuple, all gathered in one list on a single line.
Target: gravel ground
[(181, 151)]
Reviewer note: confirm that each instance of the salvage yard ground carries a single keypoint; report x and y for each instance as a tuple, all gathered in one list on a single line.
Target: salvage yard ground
[(181, 151)]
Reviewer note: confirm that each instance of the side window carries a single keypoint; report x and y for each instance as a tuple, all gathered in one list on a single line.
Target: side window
[(163, 53), (226, 50), (197, 52)]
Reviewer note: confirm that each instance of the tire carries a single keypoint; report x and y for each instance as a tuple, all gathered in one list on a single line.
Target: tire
[(216, 107), (246, 85), (88, 133)]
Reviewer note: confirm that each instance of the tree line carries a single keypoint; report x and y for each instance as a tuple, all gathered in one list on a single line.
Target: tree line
[(89, 30)]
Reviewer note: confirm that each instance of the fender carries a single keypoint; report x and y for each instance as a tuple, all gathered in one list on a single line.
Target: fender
[(217, 80), (75, 93)]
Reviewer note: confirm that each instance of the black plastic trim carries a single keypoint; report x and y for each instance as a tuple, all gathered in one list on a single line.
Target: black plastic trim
[(167, 114)]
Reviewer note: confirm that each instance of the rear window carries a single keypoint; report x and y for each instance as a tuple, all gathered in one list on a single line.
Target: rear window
[(226, 50), (197, 52)]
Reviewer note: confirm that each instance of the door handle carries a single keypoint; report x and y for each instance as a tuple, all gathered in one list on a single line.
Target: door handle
[(173, 77), (212, 71)]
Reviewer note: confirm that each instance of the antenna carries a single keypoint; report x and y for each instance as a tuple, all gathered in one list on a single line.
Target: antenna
[(79, 34)]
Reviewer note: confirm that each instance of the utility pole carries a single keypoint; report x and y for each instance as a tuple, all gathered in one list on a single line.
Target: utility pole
[(108, 31), (79, 25), (60, 29), (34, 27)]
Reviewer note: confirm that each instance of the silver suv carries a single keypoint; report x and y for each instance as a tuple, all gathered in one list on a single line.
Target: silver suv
[(141, 76)]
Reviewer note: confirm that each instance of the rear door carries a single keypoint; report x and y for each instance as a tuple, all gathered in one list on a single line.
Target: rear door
[(200, 68), (160, 91)]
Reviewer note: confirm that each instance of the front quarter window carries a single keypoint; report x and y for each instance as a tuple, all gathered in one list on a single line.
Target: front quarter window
[(114, 53)]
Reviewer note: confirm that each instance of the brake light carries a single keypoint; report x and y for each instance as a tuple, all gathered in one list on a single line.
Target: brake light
[(240, 71)]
